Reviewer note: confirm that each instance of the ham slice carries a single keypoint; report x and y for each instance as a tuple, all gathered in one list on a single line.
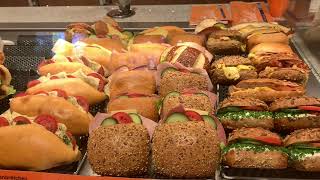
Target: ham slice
[(147, 123)]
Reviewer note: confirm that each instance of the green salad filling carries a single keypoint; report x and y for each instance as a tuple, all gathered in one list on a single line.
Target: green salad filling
[(252, 147), (244, 114), (301, 153)]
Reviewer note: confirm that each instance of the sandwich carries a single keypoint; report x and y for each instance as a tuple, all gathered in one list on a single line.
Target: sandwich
[(60, 63), (145, 105), (187, 37), (141, 39), (107, 27), (293, 113), (5, 79), (35, 143), (303, 148), (73, 111), (118, 144), (188, 54), (188, 99), (225, 42), (237, 112), (186, 145), (77, 31), (277, 61), (178, 78), (92, 52), (165, 31), (266, 36), (266, 89), (255, 148), (207, 26), (232, 69), (107, 43), (90, 86), (138, 81), (247, 29)]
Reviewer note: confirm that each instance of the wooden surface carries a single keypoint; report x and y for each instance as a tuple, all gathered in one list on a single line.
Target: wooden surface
[(6, 3)]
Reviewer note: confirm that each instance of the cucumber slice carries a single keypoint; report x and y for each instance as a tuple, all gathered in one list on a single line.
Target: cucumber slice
[(303, 146), (173, 93), (167, 70), (135, 118), (210, 120), (177, 117), (109, 122)]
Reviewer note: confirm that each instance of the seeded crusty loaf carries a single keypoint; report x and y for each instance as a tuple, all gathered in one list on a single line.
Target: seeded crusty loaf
[(303, 136), (178, 81), (291, 102), (245, 101), (119, 150), (185, 150), (194, 101)]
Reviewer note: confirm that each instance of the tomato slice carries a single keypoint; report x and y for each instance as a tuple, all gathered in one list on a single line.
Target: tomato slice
[(71, 76), (3, 122), (309, 108), (61, 93), (193, 116), (102, 83), (19, 120), (21, 94), (45, 62), (54, 77), (42, 93), (269, 140), (83, 102), (122, 118), (73, 140), (33, 83), (47, 121), (317, 145)]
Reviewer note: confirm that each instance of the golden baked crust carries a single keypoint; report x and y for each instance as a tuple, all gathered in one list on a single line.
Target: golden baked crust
[(291, 102), (303, 136)]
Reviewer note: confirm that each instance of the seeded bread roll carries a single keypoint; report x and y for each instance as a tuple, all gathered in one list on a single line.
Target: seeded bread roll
[(194, 101), (119, 150), (185, 150), (291, 102), (178, 81)]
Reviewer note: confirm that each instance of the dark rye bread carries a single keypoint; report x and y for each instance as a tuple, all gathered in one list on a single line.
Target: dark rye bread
[(193, 101), (185, 150), (178, 81), (297, 75), (119, 150), (241, 102), (292, 102), (224, 42), (303, 136), (250, 159), (266, 123)]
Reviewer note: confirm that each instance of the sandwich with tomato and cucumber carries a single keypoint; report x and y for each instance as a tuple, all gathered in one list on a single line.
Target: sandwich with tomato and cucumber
[(303, 147), (118, 144), (184, 140), (90, 86), (266, 89), (35, 143), (73, 111), (237, 112), (296, 113), (189, 99), (176, 77), (145, 105), (255, 148)]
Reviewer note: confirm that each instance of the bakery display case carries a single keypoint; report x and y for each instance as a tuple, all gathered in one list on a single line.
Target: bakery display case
[(221, 91)]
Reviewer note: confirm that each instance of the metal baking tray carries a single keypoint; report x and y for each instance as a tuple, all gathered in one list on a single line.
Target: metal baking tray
[(22, 61)]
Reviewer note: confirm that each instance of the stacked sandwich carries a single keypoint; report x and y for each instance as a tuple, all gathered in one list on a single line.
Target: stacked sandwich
[(266, 92)]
